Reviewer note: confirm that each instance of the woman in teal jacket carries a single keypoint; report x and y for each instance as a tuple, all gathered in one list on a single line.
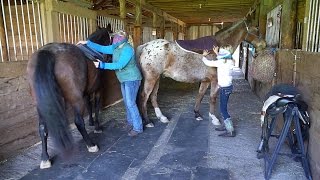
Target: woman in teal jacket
[(127, 72)]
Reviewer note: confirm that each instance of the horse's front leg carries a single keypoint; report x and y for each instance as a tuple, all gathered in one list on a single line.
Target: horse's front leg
[(202, 90), (155, 105), (213, 100), (43, 132)]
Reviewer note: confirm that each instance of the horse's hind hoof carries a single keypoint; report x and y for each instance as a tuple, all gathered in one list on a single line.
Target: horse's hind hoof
[(150, 125), (164, 119), (93, 148), (45, 164), (199, 118)]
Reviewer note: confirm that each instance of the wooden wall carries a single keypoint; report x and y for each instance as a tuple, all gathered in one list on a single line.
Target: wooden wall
[(307, 79), (18, 116)]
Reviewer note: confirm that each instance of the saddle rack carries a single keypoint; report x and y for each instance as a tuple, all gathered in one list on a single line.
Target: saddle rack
[(288, 107)]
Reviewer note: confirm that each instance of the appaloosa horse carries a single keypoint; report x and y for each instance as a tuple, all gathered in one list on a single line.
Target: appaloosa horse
[(168, 58), (60, 73)]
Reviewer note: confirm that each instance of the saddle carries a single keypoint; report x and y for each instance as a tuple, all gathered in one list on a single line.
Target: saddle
[(198, 45), (90, 53)]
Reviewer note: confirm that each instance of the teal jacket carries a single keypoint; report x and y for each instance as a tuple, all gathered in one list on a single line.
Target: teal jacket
[(123, 60)]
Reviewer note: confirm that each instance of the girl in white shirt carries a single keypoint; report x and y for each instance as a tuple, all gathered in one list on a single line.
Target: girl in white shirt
[(224, 64)]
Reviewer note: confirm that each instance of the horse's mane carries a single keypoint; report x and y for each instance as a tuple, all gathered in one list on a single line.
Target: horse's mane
[(101, 36), (227, 30)]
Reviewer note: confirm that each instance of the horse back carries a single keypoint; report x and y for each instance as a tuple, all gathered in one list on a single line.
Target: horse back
[(70, 67), (167, 58)]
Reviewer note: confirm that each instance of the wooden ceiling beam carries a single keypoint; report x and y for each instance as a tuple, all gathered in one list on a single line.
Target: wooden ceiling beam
[(159, 12)]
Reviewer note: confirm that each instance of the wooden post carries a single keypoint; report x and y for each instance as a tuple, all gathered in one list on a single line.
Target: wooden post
[(162, 28), (3, 39), (123, 13), (288, 27), (137, 27), (155, 24), (264, 4), (50, 22)]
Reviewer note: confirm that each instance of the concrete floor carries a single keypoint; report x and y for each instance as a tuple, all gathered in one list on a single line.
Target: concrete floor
[(183, 149)]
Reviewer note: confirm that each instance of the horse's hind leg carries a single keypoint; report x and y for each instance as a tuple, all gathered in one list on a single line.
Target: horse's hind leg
[(155, 105), (43, 132), (202, 90), (145, 93), (78, 112), (97, 128), (89, 108)]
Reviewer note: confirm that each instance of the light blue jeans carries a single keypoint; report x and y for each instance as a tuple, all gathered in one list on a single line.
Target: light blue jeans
[(129, 90)]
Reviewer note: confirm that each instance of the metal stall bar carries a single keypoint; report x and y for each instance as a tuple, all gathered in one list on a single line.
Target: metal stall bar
[(24, 29), (71, 29), (317, 29), (40, 25), (313, 26), (30, 27), (35, 25), (75, 29), (5, 31), (12, 32), (18, 26)]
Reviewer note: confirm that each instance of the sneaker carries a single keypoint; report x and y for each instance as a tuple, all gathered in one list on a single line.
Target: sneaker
[(133, 133)]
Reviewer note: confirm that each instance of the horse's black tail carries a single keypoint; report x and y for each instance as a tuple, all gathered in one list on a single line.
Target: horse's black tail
[(50, 103)]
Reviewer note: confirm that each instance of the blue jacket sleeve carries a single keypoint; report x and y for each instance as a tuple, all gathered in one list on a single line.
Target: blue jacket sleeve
[(125, 56), (103, 49)]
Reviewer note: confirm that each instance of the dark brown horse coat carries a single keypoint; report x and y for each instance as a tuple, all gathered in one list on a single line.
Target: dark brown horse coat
[(60, 73)]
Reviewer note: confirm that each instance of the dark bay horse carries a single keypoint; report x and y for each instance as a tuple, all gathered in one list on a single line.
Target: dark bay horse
[(163, 57), (60, 73)]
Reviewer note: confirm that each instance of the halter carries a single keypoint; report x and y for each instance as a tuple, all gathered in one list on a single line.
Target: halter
[(248, 32)]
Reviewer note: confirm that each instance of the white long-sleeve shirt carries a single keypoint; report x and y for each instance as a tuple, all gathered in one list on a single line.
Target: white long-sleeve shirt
[(224, 68)]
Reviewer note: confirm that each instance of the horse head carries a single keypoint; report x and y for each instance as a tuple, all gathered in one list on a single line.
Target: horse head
[(102, 36), (242, 30)]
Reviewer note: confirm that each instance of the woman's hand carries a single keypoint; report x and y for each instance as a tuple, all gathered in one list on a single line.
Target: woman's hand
[(205, 53), (96, 63), (82, 42), (216, 49)]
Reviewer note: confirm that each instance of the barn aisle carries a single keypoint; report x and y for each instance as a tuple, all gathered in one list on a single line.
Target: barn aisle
[(183, 149)]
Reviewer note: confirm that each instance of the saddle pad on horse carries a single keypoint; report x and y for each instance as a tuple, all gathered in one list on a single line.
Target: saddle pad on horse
[(198, 45), (90, 53)]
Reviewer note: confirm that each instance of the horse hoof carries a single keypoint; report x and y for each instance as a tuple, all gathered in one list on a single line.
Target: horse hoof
[(45, 164), (99, 131), (150, 125), (93, 148), (164, 119), (199, 118)]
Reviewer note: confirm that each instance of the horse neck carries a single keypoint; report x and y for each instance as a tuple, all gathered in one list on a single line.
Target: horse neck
[(233, 38)]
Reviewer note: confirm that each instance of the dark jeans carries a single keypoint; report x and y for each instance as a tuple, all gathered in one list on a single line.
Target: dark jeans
[(129, 91), (224, 98)]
